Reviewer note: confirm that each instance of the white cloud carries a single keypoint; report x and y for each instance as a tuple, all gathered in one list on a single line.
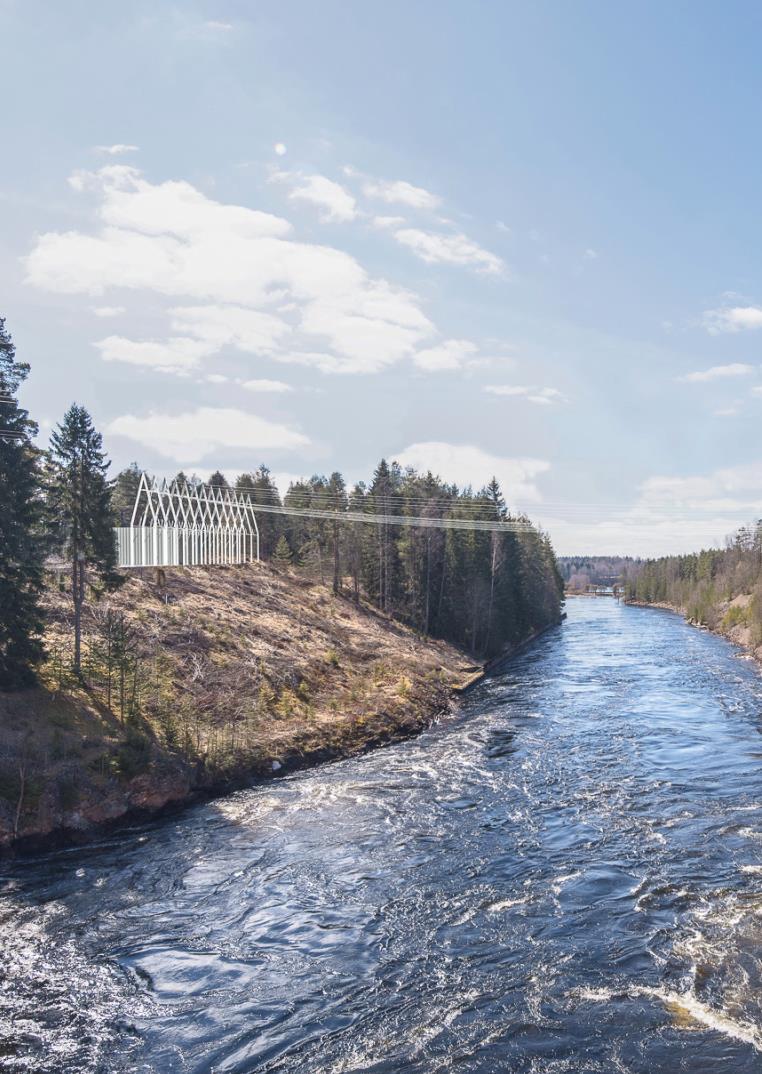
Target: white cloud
[(222, 27), (503, 227), (733, 486), (717, 372), (451, 354), (465, 464), (108, 311), (757, 390), (230, 264), (334, 201), (726, 411), (591, 254), (248, 330), (177, 354), (399, 193), (732, 319), (283, 480), (267, 386), (384, 223), (672, 514), (437, 248), (188, 438), (117, 150), (216, 378), (280, 149), (530, 392)]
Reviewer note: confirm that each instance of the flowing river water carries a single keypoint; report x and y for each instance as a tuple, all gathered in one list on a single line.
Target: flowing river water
[(565, 877)]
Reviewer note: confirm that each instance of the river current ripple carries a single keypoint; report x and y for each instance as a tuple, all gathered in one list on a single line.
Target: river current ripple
[(566, 877)]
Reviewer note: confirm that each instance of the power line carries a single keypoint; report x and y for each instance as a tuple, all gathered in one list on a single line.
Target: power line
[(492, 526)]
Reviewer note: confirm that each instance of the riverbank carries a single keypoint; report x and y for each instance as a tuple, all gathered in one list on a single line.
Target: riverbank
[(233, 674), (731, 623)]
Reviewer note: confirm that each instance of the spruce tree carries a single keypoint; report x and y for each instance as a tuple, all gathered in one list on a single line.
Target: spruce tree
[(124, 493), (282, 555), (337, 502), (21, 549), (261, 489), (79, 499)]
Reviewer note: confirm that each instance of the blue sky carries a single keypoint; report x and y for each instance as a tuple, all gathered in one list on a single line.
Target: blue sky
[(484, 237)]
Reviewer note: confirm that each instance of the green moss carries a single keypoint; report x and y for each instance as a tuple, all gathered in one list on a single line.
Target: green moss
[(735, 616)]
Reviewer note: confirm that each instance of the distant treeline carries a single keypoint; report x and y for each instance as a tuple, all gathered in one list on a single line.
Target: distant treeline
[(702, 584), (481, 590), (579, 572)]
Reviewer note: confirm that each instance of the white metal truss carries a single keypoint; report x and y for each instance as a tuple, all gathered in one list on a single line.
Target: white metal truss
[(187, 524)]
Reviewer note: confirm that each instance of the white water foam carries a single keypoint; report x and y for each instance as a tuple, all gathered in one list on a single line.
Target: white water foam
[(682, 1004)]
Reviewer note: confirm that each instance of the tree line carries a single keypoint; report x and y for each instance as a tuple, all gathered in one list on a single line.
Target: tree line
[(482, 590), (702, 584)]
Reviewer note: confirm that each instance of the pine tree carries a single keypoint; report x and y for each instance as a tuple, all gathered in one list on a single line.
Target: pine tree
[(21, 548), (80, 507), (282, 555), (218, 480)]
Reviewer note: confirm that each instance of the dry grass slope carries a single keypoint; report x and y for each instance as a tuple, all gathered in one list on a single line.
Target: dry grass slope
[(234, 672)]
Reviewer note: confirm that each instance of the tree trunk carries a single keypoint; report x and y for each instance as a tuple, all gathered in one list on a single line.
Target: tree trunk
[(78, 596), (20, 803), (336, 565), (428, 580)]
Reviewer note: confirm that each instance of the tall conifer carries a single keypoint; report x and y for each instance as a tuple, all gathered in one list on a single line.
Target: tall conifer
[(21, 549), (80, 506)]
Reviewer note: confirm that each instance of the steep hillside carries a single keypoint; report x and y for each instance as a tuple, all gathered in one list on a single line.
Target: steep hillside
[(196, 680), (719, 588)]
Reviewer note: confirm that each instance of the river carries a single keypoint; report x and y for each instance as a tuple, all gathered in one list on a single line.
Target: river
[(565, 877)]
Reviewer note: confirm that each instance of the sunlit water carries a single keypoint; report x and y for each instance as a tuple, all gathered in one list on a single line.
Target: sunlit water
[(565, 877)]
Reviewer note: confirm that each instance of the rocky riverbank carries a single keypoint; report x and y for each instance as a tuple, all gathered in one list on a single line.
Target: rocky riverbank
[(220, 677), (732, 622)]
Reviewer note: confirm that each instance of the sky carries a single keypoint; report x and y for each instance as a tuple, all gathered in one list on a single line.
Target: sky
[(479, 238)]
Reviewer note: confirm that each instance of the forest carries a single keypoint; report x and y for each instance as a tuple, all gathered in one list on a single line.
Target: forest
[(703, 584), (482, 590), (579, 572)]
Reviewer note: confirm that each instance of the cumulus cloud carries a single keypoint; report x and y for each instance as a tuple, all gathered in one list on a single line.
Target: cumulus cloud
[(737, 488), (465, 464), (190, 437), (530, 392), (249, 330), (246, 281), (385, 223), (672, 514), (732, 319), (280, 149), (450, 354), (175, 355), (267, 386), (334, 201), (456, 249), (398, 192), (717, 372), (117, 150)]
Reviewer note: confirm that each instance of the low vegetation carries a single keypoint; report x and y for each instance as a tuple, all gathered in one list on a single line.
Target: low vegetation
[(720, 588), (196, 679)]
